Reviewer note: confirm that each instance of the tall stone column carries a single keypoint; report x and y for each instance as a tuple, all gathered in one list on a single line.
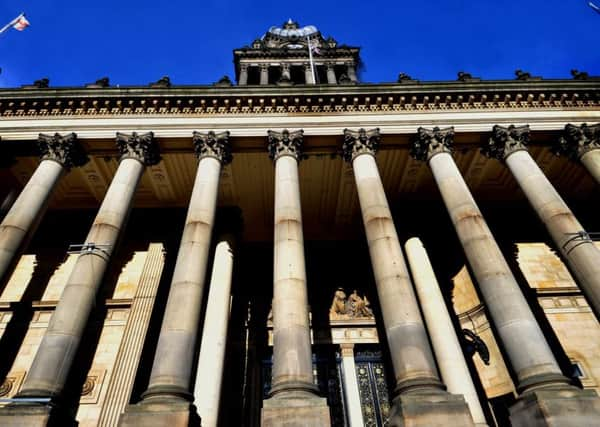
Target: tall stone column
[(582, 143), (308, 75), (209, 377), (243, 80), (539, 378), (420, 394), (264, 74), (54, 358), (448, 351), (59, 153), (331, 74), (167, 401), (350, 384), (294, 400), (510, 145)]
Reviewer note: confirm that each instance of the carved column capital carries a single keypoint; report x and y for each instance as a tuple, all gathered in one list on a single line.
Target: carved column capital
[(214, 145), (578, 140), (360, 142), (64, 149), (139, 147), (505, 141), (430, 142), (285, 143)]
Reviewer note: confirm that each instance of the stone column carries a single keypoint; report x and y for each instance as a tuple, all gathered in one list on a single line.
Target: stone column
[(527, 348), (167, 399), (294, 399), (420, 394), (207, 389), (331, 74), (264, 74), (350, 384), (308, 76), (243, 80), (54, 358), (351, 71), (58, 153), (510, 144), (286, 77), (448, 351), (582, 143)]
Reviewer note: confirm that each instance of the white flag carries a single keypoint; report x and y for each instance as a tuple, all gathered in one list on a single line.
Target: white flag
[(21, 23)]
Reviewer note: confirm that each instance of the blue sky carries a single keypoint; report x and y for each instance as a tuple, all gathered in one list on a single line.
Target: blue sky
[(135, 42)]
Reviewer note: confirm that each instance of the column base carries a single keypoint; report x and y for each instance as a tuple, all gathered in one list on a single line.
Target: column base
[(430, 410), (157, 413), (295, 409), (34, 415), (564, 407)]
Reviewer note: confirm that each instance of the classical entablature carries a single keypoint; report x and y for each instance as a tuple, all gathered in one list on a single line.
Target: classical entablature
[(404, 97)]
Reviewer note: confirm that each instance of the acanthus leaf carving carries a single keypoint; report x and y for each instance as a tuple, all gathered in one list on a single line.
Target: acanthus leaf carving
[(360, 142), (64, 149), (506, 140), (285, 143), (578, 140), (214, 145), (142, 147), (430, 142)]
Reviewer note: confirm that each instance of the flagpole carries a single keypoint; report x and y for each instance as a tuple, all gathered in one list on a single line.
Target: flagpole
[(310, 58), (11, 23)]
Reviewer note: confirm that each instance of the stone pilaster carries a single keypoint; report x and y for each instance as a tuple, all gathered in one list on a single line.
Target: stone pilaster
[(420, 395), (448, 352), (168, 397), (527, 348), (294, 399), (510, 145), (350, 385), (122, 378), (582, 143), (54, 358), (58, 154), (308, 75)]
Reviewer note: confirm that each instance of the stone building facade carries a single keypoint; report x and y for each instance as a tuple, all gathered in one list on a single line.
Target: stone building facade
[(301, 248)]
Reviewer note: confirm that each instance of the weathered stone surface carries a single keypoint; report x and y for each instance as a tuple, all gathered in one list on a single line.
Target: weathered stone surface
[(295, 410), (160, 414), (567, 407), (33, 416), (429, 410)]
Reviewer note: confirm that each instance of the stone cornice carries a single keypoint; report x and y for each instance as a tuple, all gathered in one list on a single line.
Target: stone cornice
[(272, 99)]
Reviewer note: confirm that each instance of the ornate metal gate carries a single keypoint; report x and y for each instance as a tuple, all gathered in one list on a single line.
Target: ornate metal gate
[(373, 388)]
